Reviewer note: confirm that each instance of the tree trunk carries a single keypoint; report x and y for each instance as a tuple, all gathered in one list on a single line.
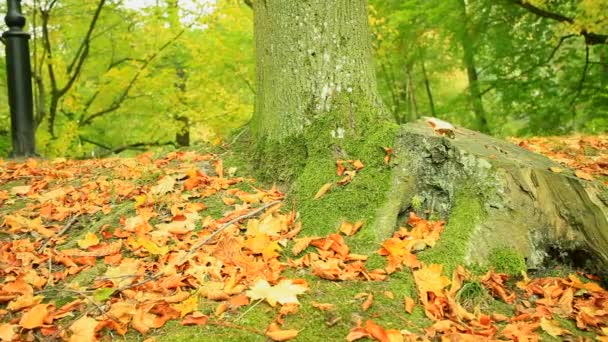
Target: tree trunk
[(317, 105), (469, 63), (313, 60), (427, 86), (498, 195)]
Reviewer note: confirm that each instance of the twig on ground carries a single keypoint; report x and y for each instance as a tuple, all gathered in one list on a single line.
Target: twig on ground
[(202, 242), (249, 309), (65, 228)]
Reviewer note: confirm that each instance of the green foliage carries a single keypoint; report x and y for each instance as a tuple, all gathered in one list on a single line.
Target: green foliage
[(147, 75), (536, 75)]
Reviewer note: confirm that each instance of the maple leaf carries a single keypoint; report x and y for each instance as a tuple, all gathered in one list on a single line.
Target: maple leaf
[(83, 329), (127, 267), (164, 186), (350, 229), (323, 306), (148, 245), (284, 292), (122, 310), (583, 175), (187, 306), (409, 304), (429, 280), (35, 317)]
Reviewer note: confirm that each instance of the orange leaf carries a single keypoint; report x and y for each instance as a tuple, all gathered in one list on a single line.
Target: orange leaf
[(83, 329), (358, 165), (368, 302), (409, 304), (583, 175), (276, 334), (376, 331), (196, 318), (35, 317), (323, 306)]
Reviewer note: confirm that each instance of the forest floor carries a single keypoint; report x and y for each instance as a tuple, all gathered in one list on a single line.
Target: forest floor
[(186, 246)]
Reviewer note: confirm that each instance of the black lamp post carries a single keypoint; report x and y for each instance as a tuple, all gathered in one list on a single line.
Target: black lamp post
[(19, 76)]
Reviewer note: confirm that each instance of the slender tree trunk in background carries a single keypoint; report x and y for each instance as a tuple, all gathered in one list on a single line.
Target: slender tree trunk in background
[(411, 91), (468, 48), (182, 137), (427, 86), (314, 60)]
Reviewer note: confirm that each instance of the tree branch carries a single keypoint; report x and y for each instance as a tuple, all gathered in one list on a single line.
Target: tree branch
[(581, 83), (134, 146), (590, 37), (125, 93), (83, 50)]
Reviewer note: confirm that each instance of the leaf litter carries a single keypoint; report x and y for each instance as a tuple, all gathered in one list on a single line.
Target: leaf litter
[(166, 255)]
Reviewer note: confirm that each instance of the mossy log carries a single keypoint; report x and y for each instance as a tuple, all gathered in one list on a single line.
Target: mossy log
[(495, 196)]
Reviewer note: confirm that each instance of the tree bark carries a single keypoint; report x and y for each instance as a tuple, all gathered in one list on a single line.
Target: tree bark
[(518, 202), (469, 63), (313, 58), (427, 87)]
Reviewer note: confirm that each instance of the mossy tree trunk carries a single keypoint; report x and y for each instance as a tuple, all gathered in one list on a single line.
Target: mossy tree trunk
[(314, 59), (317, 102)]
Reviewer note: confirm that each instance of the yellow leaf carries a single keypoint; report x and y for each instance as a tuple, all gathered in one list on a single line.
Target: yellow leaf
[(164, 186), (90, 239), (556, 169), (552, 327), (187, 306), (7, 331), (127, 267), (149, 246), (284, 292), (583, 175), (83, 329), (323, 190)]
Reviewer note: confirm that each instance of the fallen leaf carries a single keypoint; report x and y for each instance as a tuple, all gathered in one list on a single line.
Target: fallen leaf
[(368, 302), (409, 304), (323, 190), (8, 331), (35, 317), (276, 334), (196, 318), (552, 327), (90, 239), (583, 175), (83, 329)]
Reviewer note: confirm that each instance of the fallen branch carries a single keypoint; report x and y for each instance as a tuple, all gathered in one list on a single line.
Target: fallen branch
[(65, 228), (202, 242)]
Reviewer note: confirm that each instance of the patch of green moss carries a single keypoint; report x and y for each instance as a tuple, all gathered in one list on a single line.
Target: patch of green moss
[(280, 161), (314, 324), (507, 260), (451, 247), (358, 200)]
